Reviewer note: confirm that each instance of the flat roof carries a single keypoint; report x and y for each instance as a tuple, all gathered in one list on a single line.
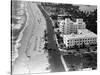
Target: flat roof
[(76, 36), (84, 31)]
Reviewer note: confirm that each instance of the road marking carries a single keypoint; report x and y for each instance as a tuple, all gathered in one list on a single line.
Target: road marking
[(64, 64)]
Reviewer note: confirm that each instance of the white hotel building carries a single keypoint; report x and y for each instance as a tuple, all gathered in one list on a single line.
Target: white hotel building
[(75, 33), (67, 26), (87, 38)]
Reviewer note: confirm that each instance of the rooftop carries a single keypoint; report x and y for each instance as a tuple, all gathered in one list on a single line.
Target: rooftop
[(84, 31), (68, 20), (84, 34)]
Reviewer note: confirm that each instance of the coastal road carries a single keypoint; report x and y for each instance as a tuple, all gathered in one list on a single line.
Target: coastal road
[(31, 56), (55, 60)]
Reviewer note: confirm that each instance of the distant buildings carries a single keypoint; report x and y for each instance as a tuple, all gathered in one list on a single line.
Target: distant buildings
[(75, 33)]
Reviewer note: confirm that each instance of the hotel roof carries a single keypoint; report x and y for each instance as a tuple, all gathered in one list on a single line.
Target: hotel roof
[(84, 35)]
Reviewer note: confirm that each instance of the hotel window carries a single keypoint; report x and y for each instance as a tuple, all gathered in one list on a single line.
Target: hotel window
[(80, 39), (77, 39), (93, 38), (68, 40), (77, 42), (80, 42)]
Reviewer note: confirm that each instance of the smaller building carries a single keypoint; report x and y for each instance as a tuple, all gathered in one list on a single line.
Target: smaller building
[(83, 37)]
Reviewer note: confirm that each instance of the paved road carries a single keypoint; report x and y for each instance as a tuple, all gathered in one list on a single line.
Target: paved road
[(55, 60), (31, 58)]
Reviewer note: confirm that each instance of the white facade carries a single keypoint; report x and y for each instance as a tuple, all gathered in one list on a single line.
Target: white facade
[(67, 26), (87, 38), (61, 26), (75, 33)]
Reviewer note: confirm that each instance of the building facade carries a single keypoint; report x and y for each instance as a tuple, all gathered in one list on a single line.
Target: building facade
[(67, 26), (87, 38), (75, 33)]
